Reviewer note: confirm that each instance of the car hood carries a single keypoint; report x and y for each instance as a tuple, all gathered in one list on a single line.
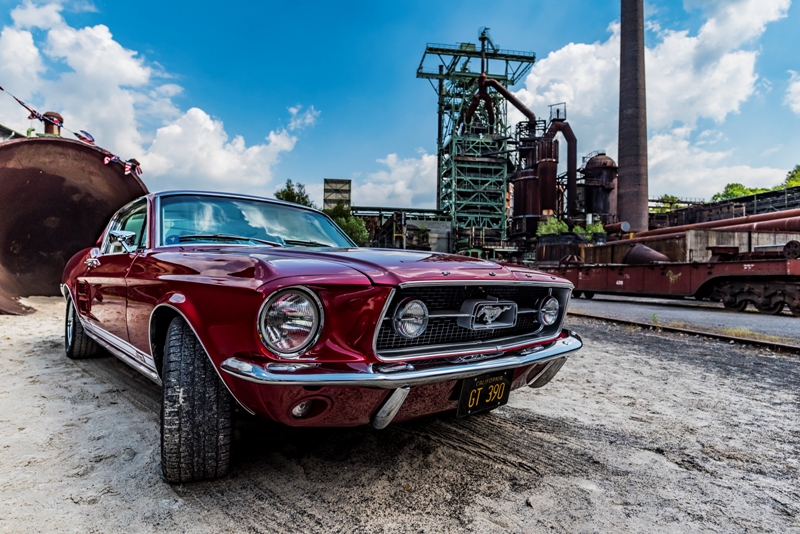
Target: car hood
[(382, 266), (395, 266)]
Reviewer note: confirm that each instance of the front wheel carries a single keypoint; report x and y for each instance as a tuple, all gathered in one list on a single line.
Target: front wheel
[(77, 343), (196, 411)]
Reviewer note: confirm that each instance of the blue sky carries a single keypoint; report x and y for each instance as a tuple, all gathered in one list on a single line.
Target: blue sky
[(319, 90)]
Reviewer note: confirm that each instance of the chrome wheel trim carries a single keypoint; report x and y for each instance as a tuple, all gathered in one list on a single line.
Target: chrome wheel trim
[(70, 323)]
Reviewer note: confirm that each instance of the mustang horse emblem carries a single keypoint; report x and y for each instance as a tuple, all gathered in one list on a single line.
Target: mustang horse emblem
[(490, 313)]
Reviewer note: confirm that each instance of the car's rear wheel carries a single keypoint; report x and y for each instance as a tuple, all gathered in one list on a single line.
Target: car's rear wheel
[(77, 343), (196, 411)]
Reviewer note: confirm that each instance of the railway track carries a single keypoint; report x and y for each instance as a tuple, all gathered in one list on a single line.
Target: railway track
[(771, 345)]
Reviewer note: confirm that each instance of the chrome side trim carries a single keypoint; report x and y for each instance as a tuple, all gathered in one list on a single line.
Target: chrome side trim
[(219, 374), (121, 349), (258, 373), (448, 282), (390, 408)]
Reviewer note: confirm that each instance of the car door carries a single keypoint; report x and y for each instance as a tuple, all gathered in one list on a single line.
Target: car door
[(105, 277)]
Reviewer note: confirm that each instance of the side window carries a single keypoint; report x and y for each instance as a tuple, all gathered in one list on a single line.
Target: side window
[(133, 220)]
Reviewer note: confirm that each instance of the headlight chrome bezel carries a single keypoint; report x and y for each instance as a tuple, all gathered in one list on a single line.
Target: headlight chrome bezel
[(316, 330), (402, 307), (543, 312)]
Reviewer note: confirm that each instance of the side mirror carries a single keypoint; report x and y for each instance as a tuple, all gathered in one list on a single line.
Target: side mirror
[(124, 238)]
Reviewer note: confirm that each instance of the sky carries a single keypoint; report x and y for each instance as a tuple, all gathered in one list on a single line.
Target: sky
[(241, 96)]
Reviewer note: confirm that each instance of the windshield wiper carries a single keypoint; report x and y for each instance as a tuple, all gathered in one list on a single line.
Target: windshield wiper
[(306, 243), (229, 237)]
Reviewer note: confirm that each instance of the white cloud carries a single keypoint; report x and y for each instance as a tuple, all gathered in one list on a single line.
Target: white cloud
[(196, 152), (687, 170), (302, 120), (128, 105), (792, 98), (406, 183), (689, 78), (32, 15)]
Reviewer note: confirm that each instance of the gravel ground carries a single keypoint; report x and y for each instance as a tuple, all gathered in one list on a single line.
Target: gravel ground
[(641, 431), (703, 315)]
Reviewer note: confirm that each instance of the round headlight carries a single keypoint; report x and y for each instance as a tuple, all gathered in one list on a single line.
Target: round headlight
[(290, 321), (548, 313), (410, 319)]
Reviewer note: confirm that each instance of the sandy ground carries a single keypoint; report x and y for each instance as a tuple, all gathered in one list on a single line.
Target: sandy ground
[(640, 431)]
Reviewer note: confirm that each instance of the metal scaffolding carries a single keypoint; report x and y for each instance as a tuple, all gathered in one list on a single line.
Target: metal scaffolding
[(474, 160)]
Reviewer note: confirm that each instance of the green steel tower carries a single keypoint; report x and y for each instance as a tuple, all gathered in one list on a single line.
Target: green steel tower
[(474, 160)]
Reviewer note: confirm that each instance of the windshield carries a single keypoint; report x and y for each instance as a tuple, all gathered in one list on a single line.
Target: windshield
[(210, 219)]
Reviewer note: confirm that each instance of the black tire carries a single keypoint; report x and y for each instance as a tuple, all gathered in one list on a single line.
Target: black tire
[(196, 411), (577, 294), (77, 343), (588, 295), (795, 310)]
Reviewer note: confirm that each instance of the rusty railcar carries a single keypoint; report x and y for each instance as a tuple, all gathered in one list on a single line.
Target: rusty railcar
[(769, 282)]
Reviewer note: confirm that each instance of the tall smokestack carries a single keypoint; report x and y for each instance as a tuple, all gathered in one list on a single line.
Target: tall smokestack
[(632, 181)]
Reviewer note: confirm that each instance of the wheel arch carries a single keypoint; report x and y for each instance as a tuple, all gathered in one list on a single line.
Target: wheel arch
[(160, 318)]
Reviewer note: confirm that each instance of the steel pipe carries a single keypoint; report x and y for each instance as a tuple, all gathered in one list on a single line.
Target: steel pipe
[(774, 216)]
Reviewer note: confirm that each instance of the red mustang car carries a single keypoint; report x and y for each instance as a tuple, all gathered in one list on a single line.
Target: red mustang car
[(229, 299)]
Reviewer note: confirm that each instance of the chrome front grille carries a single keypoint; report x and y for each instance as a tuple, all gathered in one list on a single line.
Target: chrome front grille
[(442, 330), (444, 333)]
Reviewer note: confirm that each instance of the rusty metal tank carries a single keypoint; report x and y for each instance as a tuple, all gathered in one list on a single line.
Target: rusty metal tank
[(526, 202), (598, 192), (56, 195)]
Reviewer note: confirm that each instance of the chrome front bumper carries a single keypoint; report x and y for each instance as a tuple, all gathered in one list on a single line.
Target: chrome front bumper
[(406, 376)]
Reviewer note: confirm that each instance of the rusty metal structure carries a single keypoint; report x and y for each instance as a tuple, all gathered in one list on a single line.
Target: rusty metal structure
[(632, 186), (495, 183), (56, 195), (474, 159), (597, 190)]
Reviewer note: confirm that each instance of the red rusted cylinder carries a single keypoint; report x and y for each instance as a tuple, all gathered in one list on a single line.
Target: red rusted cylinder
[(649, 238), (791, 224), (617, 228), (723, 223), (56, 196)]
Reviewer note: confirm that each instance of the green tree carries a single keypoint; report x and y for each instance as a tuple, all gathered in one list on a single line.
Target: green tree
[(736, 190), (352, 225), (669, 199), (296, 193), (792, 179)]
